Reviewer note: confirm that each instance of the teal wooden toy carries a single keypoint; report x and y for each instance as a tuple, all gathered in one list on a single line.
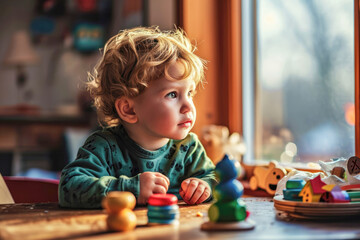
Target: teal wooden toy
[(354, 196), (295, 183), (293, 188), (229, 211), (292, 194)]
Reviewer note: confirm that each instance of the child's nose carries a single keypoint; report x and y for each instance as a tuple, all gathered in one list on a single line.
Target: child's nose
[(186, 106)]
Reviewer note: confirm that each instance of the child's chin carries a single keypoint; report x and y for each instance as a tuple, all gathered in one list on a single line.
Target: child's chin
[(180, 137)]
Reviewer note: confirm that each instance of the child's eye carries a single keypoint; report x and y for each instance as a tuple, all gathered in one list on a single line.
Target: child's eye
[(191, 93), (171, 95)]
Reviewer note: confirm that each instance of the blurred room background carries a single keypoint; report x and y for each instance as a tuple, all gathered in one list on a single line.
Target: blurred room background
[(46, 49), (280, 75)]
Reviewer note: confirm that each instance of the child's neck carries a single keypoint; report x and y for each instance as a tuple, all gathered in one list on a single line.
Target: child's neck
[(147, 142)]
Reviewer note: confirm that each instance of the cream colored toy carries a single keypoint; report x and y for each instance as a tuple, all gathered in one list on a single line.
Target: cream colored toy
[(267, 178)]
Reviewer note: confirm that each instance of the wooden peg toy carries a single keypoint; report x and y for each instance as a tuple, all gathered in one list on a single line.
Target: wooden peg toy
[(115, 201), (163, 209), (125, 220), (229, 211), (119, 206)]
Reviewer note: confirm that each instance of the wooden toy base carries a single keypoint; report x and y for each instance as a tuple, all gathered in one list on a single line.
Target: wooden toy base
[(230, 226)]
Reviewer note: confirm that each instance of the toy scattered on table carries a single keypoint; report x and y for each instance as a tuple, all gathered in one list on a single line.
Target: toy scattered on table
[(353, 165), (315, 190), (312, 190), (351, 187), (119, 206), (338, 171), (334, 194), (229, 211), (163, 209), (267, 178), (293, 188)]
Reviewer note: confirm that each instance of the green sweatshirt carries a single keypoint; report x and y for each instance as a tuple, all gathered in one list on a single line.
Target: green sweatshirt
[(110, 160)]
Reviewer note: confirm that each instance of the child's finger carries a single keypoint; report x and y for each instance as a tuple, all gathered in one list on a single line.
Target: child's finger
[(185, 184), (163, 176), (181, 192), (204, 196), (159, 189), (161, 181), (191, 189), (197, 194)]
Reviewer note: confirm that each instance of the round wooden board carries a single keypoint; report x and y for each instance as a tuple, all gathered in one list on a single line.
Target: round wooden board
[(317, 210), (279, 200), (247, 224)]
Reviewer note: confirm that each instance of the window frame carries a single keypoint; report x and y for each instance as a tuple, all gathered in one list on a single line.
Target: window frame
[(357, 77)]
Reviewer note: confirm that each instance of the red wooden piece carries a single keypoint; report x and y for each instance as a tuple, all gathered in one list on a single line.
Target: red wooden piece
[(162, 199)]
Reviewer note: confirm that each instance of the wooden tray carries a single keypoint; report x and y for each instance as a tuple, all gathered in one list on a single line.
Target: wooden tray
[(319, 210)]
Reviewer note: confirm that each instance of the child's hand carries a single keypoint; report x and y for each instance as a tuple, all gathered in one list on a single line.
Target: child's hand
[(150, 183), (194, 190)]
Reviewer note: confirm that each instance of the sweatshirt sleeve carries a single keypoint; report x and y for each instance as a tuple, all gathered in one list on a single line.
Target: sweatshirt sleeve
[(198, 164), (85, 181)]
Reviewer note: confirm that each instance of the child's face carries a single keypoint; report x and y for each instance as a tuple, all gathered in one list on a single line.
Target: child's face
[(166, 109)]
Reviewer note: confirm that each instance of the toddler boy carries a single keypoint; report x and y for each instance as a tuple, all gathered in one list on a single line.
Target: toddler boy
[(142, 88)]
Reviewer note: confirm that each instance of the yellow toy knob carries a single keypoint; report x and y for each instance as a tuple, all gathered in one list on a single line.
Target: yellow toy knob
[(125, 220), (115, 201)]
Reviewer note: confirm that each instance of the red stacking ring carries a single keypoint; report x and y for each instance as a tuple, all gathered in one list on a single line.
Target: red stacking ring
[(158, 199)]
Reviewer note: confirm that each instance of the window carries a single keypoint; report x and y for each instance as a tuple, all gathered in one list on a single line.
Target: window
[(300, 108)]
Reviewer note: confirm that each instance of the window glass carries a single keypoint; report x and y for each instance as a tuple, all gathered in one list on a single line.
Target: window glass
[(304, 107)]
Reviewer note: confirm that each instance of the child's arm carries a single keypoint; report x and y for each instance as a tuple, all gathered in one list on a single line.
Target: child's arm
[(95, 172), (200, 175)]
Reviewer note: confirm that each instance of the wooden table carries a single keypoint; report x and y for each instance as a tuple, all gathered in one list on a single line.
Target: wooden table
[(48, 221)]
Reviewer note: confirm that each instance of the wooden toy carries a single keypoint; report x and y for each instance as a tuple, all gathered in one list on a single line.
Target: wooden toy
[(354, 196), (267, 178), (163, 209), (119, 206), (353, 165), (125, 220), (228, 190), (351, 187), (334, 194), (115, 201), (312, 190), (295, 184), (293, 188), (338, 171), (227, 169), (229, 211), (162, 199)]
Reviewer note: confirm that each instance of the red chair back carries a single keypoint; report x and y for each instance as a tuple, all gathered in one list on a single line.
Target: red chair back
[(32, 190)]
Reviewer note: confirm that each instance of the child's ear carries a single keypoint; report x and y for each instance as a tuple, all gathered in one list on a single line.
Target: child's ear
[(125, 109)]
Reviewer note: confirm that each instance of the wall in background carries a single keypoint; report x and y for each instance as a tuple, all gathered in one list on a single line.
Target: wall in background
[(55, 81)]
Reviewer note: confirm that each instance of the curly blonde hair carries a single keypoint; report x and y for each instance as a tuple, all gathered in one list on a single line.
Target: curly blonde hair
[(133, 58)]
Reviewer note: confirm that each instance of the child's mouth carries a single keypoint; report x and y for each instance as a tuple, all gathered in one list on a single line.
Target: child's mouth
[(186, 124)]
